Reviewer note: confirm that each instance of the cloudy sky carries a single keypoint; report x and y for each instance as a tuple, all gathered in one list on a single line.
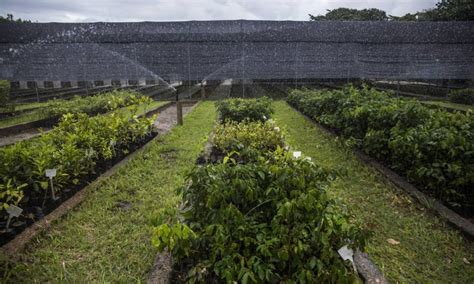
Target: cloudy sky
[(180, 10)]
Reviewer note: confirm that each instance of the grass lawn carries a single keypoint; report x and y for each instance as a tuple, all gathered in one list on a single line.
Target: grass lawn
[(429, 250), (25, 106), (36, 114), (104, 239)]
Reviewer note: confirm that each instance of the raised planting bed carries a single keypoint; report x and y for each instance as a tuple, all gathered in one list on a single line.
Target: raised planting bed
[(91, 105), (77, 150), (259, 214), (433, 149)]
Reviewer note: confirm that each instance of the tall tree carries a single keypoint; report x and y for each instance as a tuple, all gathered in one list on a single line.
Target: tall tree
[(9, 19), (455, 10), (445, 10)]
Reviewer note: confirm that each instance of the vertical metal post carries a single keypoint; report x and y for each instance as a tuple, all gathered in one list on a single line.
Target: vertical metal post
[(447, 89), (37, 94), (203, 91), (189, 65), (242, 47)]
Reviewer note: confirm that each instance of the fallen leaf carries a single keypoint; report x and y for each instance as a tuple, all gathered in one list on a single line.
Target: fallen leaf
[(466, 261), (393, 242)]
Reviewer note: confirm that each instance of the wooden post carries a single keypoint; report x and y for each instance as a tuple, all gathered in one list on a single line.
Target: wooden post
[(179, 111)]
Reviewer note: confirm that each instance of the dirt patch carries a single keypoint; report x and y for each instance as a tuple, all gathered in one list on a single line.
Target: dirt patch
[(168, 118)]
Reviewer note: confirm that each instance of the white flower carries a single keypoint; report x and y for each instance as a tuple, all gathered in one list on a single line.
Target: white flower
[(297, 154), (277, 129), (264, 117)]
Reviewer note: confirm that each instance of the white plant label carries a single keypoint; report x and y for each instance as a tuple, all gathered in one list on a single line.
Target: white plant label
[(347, 254), (14, 211), (50, 173), (297, 154)]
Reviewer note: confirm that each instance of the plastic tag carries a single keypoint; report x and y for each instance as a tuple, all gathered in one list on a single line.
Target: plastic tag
[(50, 173), (14, 211), (347, 254), (296, 154)]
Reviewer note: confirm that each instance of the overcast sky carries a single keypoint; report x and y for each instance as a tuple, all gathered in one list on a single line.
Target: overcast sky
[(181, 10)]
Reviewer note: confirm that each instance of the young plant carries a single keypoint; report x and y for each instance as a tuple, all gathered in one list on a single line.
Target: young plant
[(239, 110), (268, 221)]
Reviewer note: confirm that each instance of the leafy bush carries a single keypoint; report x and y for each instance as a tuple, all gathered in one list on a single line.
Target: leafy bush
[(95, 104), (268, 221), (432, 148), (464, 96), (244, 109), (73, 147), (5, 95), (247, 136)]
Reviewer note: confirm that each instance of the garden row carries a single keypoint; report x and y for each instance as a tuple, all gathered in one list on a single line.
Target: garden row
[(461, 96), (256, 212), (92, 104), (73, 153), (432, 148)]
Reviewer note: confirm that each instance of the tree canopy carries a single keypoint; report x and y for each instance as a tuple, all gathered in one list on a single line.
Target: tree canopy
[(445, 10), (9, 19), (346, 14)]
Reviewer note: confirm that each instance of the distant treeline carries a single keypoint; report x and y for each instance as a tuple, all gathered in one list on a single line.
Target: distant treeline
[(445, 10)]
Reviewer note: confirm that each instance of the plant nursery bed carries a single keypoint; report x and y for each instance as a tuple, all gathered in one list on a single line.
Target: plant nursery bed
[(464, 224), (39, 211), (165, 271), (216, 155)]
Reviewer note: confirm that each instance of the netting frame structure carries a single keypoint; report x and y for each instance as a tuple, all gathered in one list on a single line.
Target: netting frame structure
[(242, 50)]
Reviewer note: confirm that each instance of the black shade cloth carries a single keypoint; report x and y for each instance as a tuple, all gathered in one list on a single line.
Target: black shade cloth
[(200, 50)]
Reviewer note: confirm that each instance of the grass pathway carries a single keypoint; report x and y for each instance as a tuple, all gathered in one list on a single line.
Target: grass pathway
[(107, 238), (429, 250)]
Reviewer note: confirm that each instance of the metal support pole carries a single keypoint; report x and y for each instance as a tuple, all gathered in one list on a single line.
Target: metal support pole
[(37, 95), (203, 92), (447, 89)]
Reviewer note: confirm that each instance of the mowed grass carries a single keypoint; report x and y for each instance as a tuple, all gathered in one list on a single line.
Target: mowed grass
[(429, 250), (107, 238), (34, 115)]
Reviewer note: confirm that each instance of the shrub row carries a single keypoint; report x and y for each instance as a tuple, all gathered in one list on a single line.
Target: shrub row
[(463, 96), (244, 109), (264, 219), (73, 148), (95, 104), (432, 148)]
